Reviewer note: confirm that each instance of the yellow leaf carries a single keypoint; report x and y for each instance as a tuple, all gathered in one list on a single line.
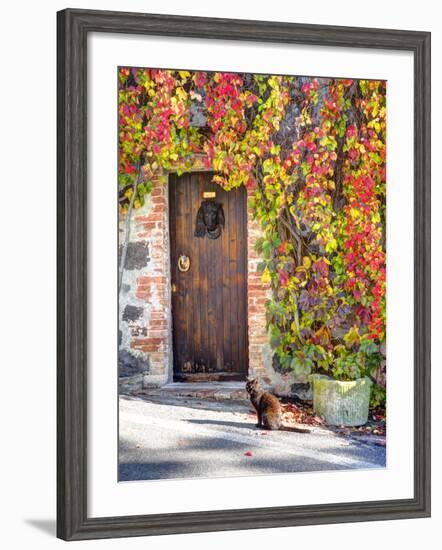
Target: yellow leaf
[(306, 262), (181, 93), (266, 276), (184, 74), (352, 337), (331, 245)]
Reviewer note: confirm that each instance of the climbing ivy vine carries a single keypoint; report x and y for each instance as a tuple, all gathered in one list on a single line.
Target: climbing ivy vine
[(313, 153)]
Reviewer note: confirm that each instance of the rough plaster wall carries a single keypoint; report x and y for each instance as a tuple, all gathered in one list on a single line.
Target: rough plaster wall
[(145, 318), (132, 313)]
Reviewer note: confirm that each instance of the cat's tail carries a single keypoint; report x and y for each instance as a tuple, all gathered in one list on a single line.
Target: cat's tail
[(285, 428)]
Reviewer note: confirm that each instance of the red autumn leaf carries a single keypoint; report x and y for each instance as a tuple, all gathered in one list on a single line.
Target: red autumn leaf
[(248, 453)]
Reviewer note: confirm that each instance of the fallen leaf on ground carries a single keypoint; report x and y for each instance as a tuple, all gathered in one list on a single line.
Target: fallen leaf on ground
[(300, 414), (248, 453)]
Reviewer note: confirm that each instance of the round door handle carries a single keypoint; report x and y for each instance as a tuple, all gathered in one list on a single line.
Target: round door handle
[(183, 263)]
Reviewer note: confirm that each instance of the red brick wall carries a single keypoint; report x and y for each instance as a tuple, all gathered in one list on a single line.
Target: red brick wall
[(152, 287), (257, 296)]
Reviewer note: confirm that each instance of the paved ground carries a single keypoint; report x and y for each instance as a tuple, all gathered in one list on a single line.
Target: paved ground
[(189, 438)]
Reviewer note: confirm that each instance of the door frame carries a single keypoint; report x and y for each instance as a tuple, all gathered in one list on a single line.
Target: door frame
[(210, 377)]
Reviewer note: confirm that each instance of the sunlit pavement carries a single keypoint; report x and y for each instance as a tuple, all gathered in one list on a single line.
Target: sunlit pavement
[(191, 438)]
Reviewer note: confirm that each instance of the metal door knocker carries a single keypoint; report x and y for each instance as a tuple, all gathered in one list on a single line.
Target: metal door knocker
[(183, 263), (209, 220)]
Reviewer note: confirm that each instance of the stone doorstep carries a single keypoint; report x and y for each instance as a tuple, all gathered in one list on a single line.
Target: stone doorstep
[(200, 390)]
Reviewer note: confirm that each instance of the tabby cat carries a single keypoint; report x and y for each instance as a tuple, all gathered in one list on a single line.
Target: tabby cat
[(268, 408)]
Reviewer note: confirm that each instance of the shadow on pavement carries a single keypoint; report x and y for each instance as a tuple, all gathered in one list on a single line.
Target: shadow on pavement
[(227, 423), (196, 457), (246, 466)]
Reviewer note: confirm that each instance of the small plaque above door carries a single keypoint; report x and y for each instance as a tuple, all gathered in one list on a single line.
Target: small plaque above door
[(209, 194)]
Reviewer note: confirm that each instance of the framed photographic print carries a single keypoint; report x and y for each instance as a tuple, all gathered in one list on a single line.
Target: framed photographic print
[(243, 274)]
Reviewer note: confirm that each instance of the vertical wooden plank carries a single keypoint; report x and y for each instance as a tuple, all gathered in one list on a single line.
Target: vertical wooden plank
[(181, 326), (188, 250), (204, 260), (195, 271), (202, 251), (218, 290), (233, 266), (226, 287), (173, 244), (182, 298), (213, 250), (179, 321)]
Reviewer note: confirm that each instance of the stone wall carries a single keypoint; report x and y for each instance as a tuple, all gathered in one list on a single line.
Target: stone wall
[(145, 302)]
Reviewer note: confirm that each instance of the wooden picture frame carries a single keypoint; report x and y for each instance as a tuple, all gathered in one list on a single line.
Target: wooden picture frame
[(73, 28)]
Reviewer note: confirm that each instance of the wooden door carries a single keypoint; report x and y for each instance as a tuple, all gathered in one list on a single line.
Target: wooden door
[(209, 299)]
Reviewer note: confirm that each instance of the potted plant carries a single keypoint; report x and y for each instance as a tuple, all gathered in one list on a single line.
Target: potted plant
[(343, 381), (340, 372), (339, 367)]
